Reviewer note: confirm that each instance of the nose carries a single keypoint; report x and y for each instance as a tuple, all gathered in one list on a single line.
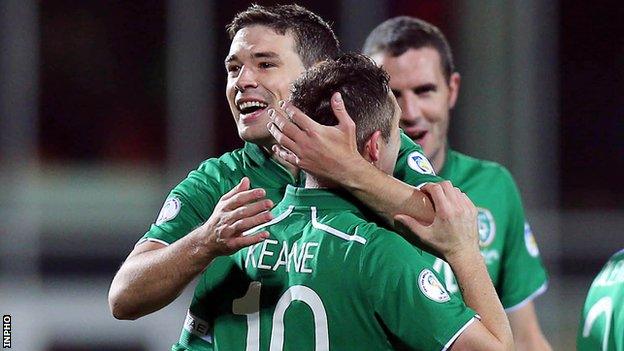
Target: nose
[(410, 107), (246, 79)]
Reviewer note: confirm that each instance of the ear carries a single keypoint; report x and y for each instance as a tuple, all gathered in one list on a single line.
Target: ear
[(454, 88), (372, 147)]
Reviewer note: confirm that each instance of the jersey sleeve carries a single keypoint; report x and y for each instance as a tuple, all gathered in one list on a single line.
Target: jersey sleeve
[(408, 297), (523, 276), (189, 204), (412, 166)]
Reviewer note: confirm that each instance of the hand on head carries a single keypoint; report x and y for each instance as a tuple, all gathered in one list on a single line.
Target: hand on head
[(316, 148)]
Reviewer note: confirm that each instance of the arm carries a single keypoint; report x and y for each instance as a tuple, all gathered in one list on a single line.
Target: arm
[(454, 234), (526, 329), (153, 275), (331, 152)]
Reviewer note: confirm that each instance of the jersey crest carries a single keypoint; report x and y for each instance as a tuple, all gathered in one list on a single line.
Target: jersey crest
[(529, 241), (487, 227), (169, 211), (419, 163), (431, 287)]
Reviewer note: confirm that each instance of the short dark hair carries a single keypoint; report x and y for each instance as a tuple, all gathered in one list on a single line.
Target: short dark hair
[(399, 34), (364, 89), (314, 39)]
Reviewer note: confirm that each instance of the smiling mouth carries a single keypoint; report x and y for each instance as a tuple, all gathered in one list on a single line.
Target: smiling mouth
[(249, 107), (418, 136)]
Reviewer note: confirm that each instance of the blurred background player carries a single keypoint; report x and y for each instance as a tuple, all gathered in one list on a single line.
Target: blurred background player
[(366, 287), (418, 59), (602, 321)]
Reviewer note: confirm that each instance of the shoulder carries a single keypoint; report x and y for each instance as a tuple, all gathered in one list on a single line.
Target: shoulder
[(388, 247), (228, 165), (482, 169), (229, 161), (214, 175)]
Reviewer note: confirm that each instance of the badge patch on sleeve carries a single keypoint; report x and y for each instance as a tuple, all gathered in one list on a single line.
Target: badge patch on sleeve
[(169, 211), (486, 226), (419, 163), (529, 241), (431, 287)]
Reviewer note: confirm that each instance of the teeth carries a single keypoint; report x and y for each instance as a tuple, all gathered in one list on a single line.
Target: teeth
[(249, 104)]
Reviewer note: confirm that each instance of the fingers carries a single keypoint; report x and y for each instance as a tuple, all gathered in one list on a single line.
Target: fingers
[(469, 205), (241, 186), (239, 227), (242, 198), (244, 241), (285, 155), (337, 104), (412, 224), (438, 196), (280, 137), (284, 130), (249, 210), (296, 116)]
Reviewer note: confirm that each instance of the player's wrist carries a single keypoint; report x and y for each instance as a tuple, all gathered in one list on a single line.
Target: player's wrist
[(463, 255), (355, 173), (204, 247)]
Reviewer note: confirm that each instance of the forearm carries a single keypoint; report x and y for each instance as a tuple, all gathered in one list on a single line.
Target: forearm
[(480, 295), (384, 194), (151, 280), (526, 329)]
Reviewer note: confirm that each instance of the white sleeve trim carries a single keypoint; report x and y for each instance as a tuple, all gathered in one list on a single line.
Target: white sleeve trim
[(142, 240), (452, 340), (530, 298)]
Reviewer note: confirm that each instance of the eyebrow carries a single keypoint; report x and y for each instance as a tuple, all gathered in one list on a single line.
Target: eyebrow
[(255, 55), (424, 88)]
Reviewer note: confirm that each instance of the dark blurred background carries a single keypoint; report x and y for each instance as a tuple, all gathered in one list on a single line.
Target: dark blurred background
[(105, 105)]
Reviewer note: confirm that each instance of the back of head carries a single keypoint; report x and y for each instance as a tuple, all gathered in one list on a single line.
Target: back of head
[(399, 34), (364, 89), (314, 39)]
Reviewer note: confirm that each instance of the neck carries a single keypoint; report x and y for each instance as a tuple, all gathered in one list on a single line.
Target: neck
[(268, 149), (316, 183), (439, 158)]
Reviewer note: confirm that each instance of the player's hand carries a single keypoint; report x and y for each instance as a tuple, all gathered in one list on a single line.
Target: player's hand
[(454, 228), (325, 151), (237, 211)]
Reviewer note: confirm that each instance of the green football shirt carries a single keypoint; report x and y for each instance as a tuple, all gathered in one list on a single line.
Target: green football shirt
[(191, 202), (326, 278), (602, 321), (507, 243)]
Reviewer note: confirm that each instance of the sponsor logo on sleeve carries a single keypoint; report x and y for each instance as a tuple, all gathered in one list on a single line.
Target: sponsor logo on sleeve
[(419, 163), (431, 287), (529, 240), (486, 225), (169, 211)]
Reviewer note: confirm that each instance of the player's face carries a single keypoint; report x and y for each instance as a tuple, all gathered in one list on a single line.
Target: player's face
[(417, 81), (389, 151), (261, 66)]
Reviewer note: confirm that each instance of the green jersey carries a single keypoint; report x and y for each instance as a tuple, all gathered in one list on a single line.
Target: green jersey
[(507, 243), (326, 278), (192, 202), (602, 321)]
